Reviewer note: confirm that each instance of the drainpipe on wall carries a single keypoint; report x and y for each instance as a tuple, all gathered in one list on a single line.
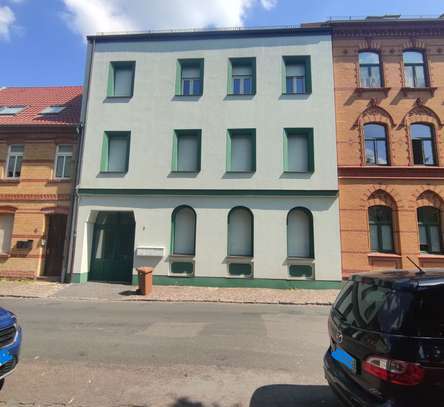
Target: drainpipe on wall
[(68, 270)]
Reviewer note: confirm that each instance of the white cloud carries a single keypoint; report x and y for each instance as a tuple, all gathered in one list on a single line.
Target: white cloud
[(268, 4), (7, 19), (91, 16)]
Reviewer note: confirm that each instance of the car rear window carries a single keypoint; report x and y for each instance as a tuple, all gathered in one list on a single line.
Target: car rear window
[(375, 307)]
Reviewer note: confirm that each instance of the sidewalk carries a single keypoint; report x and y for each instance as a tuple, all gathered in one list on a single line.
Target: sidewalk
[(119, 292)]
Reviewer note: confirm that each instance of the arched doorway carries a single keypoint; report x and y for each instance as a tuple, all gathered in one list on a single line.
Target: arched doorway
[(113, 247)]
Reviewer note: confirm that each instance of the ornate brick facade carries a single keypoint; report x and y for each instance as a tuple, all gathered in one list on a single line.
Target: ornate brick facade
[(401, 185)]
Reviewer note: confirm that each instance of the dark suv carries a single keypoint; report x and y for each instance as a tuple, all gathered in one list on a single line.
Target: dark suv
[(387, 340)]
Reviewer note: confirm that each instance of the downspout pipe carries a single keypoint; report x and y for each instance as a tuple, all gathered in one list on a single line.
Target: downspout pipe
[(82, 127)]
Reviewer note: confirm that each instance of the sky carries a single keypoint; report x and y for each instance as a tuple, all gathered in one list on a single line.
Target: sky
[(42, 42)]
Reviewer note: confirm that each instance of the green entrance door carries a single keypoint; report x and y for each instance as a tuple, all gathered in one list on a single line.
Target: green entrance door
[(113, 247)]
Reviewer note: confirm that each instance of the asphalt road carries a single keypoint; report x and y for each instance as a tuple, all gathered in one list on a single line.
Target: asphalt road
[(168, 354)]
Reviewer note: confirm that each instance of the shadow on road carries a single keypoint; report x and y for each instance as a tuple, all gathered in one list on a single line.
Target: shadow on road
[(292, 395), (278, 395)]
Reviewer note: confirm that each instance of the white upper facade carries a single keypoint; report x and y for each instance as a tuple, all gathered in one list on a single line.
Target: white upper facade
[(154, 115)]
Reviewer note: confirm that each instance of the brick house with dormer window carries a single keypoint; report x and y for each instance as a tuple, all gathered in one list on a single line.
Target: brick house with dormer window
[(38, 145)]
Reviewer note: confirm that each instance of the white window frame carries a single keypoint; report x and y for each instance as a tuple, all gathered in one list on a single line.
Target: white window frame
[(63, 155), (14, 155)]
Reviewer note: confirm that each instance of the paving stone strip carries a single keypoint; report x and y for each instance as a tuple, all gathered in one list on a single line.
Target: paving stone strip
[(119, 292)]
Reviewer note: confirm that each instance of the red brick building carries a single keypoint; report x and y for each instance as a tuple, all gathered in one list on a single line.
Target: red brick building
[(38, 148), (389, 91)]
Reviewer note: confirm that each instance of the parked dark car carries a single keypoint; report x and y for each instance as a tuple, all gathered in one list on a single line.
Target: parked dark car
[(387, 340), (10, 341)]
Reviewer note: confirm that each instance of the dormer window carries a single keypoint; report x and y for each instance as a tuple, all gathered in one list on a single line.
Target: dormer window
[(11, 110), (52, 109), (370, 69)]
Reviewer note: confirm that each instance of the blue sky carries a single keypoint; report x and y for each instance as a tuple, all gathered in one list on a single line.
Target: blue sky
[(42, 41)]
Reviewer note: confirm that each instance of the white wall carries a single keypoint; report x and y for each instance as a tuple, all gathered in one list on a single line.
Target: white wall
[(153, 228), (154, 112)]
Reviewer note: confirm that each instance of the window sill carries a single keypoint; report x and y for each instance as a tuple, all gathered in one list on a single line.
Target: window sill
[(119, 97), (430, 256), (360, 90), (232, 259), (182, 256), (184, 172), (240, 172), (380, 255), (5, 255), (295, 94), (60, 180), (300, 259), (189, 96), (406, 90), (10, 180), (113, 172), (297, 172), (240, 94)]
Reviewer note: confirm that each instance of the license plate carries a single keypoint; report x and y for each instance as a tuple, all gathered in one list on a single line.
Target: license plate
[(5, 357), (344, 358)]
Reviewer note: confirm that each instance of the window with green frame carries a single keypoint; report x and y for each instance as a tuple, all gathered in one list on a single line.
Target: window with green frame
[(241, 76), (430, 232), (296, 75), (241, 150), (186, 151), (189, 77), (300, 242), (115, 152), (298, 150), (121, 79)]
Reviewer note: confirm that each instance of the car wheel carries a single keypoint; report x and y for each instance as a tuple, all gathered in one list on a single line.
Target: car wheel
[(2, 382)]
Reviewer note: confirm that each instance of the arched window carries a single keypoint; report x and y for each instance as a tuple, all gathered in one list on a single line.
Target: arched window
[(370, 69), (429, 225), (375, 136), (381, 228), (422, 144), (300, 233), (240, 232), (414, 69), (183, 231)]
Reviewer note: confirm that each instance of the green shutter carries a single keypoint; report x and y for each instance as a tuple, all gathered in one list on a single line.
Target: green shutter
[(202, 76), (285, 150), (307, 74), (253, 66), (178, 78), (253, 146), (284, 76), (175, 152), (230, 77), (199, 151), (228, 158), (110, 90), (105, 149), (310, 144)]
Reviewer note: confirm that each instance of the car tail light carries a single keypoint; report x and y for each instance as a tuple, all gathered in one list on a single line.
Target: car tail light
[(394, 371)]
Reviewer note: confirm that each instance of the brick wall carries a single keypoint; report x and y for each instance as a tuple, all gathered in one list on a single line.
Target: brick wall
[(401, 184)]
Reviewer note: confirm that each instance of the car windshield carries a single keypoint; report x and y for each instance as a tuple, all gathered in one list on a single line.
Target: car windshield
[(375, 307)]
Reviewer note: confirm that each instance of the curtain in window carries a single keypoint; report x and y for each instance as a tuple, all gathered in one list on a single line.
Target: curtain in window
[(191, 72), (240, 232), (123, 81), (184, 231), (6, 223), (241, 152), (297, 147), (295, 70), (299, 239), (381, 228), (375, 144), (188, 152), (429, 225), (117, 154)]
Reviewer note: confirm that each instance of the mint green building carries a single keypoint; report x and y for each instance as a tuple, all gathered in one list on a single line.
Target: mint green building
[(211, 156)]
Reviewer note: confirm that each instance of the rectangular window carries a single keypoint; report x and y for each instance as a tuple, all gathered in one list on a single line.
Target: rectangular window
[(115, 152), (63, 161), (121, 79), (15, 158), (298, 150), (241, 150), (296, 74), (187, 151), (6, 223), (11, 110), (189, 81), (242, 76)]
